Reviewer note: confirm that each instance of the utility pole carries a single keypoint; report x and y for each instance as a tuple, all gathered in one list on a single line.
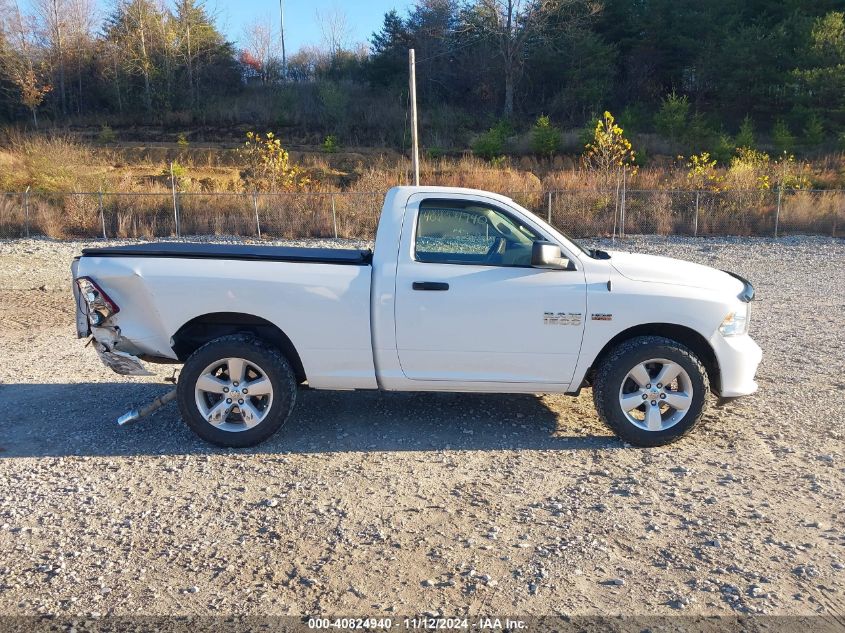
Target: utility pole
[(282, 31), (415, 151)]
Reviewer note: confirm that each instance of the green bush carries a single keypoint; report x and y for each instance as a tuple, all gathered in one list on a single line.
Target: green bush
[(106, 135), (330, 144), (724, 149), (698, 133), (634, 118), (335, 103), (814, 131), (745, 136), (782, 137), (545, 137), (491, 144), (178, 172), (641, 158), (671, 120)]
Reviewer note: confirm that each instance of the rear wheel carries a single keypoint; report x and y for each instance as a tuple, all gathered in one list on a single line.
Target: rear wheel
[(236, 391), (651, 390)]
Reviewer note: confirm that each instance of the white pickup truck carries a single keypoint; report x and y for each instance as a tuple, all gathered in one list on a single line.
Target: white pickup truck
[(465, 291)]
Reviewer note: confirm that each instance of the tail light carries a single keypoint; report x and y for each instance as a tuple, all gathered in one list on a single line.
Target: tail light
[(99, 305)]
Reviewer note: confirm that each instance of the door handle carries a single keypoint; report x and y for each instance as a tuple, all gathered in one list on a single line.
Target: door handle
[(430, 285)]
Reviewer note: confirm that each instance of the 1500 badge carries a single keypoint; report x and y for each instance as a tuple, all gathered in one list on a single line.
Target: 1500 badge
[(561, 318)]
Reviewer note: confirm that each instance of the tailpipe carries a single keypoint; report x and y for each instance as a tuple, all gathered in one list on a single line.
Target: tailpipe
[(134, 415)]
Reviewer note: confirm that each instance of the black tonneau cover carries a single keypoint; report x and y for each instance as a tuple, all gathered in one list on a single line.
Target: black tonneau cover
[(187, 250)]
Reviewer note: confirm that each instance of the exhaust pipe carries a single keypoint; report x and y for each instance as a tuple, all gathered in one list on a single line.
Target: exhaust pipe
[(134, 415)]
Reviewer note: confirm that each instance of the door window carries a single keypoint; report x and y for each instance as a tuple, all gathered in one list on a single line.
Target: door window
[(457, 232)]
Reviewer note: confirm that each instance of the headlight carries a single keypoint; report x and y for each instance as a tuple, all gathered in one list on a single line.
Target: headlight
[(99, 305), (736, 322)]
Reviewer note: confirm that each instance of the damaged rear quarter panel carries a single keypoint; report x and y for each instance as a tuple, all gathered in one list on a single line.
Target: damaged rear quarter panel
[(142, 330)]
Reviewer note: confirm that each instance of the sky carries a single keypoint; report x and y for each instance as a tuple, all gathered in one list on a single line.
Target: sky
[(301, 27)]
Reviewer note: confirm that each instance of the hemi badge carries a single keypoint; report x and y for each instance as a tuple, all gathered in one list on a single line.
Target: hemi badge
[(602, 317)]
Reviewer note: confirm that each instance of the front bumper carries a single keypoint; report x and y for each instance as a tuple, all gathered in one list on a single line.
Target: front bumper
[(738, 358)]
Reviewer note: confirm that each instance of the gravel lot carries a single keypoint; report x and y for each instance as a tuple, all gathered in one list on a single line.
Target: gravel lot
[(380, 504)]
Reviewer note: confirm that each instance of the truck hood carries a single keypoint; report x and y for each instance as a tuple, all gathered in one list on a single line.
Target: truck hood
[(667, 270)]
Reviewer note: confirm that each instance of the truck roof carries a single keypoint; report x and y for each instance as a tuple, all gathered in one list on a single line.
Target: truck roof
[(408, 190)]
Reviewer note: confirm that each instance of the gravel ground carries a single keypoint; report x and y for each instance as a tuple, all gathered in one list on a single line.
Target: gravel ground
[(398, 504)]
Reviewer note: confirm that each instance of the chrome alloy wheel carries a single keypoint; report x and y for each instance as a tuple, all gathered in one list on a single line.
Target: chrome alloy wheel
[(656, 394), (234, 394)]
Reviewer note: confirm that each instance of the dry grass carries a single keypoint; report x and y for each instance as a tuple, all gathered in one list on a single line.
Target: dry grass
[(48, 163), (137, 199)]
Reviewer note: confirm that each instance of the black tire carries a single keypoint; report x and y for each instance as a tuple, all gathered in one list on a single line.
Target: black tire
[(271, 362), (611, 374)]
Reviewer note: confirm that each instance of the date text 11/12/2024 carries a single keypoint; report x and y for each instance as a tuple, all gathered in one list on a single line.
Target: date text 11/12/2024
[(417, 623)]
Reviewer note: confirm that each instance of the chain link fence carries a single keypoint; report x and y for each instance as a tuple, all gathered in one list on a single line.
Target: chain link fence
[(580, 213), (697, 213)]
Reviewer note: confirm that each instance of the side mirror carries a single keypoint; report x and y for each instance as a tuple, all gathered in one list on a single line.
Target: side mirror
[(548, 255)]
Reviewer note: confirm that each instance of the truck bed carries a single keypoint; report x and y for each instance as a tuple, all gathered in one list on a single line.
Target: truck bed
[(248, 252)]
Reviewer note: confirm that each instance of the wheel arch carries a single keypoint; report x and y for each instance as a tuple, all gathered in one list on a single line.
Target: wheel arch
[(682, 334), (207, 327)]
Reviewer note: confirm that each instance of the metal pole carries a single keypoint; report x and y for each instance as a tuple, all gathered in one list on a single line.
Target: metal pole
[(550, 207), (334, 217), (615, 211), (175, 206), (26, 210), (695, 222), (282, 34), (622, 204), (777, 212), (255, 206), (102, 214), (415, 151)]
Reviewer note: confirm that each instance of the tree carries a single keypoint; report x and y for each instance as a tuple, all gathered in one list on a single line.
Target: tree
[(388, 59), (21, 66), (335, 29), (435, 35), (509, 24), (54, 15), (545, 137), (782, 137), (814, 131), (608, 153), (206, 58), (132, 28), (671, 120), (572, 70), (81, 45), (261, 49), (267, 165), (823, 74), (745, 136), (33, 89)]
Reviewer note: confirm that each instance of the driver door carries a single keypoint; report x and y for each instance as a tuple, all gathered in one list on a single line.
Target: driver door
[(469, 306)]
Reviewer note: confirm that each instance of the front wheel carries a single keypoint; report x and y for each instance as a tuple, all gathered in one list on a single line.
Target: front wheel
[(651, 390), (235, 391)]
